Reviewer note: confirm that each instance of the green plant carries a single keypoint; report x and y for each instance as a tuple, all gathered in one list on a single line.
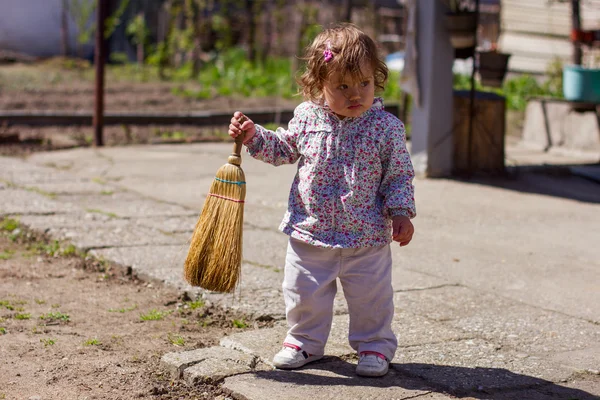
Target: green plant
[(40, 301), (6, 254), (22, 316), (92, 342), (238, 323), (175, 339), (97, 211), (154, 315), (48, 342), (2, 330), (122, 310), (9, 224), (56, 316), (196, 304)]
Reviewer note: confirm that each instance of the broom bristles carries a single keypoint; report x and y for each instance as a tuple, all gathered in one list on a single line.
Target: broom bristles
[(215, 255)]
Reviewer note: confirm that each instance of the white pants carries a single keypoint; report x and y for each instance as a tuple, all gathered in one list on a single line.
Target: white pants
[(309, 289)]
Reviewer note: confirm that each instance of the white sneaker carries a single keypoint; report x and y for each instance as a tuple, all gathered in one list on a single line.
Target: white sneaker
[(293, 357), (372, 364)]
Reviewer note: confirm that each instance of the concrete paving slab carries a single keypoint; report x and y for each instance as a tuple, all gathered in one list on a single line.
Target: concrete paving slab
[(411, 330), (531, 330), (208, 364), (23, 202), (515, 252), (585, 359), (183, 225), (265, 248), (510, 324), (406, 280), (257, 216), (449, 302), (322, 380), (126, 204), (20, 174), (464, 365), (89, 231), (158, 263), (77, 187)]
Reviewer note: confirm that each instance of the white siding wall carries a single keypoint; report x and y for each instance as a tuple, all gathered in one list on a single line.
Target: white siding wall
[(537, 31)]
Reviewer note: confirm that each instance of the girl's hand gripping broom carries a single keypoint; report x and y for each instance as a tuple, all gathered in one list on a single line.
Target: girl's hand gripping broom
[(215, 256)]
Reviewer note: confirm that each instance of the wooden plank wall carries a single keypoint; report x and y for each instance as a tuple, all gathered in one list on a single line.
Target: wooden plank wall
[(536, 32)]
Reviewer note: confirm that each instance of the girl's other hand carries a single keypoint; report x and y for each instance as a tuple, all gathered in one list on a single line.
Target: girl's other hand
[(245, 128), (402, 230)]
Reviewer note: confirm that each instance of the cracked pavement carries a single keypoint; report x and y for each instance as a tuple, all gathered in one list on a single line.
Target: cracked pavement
[(498, 295)]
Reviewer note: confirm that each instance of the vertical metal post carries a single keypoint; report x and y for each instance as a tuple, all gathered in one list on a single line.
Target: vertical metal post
[(576, 25), (472, 97), (99, 61)]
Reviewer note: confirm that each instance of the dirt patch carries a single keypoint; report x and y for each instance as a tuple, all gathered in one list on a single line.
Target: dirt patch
[(72, 328)]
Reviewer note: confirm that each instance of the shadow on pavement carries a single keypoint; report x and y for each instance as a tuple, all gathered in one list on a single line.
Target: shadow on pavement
[(555, 181), (461, 382)]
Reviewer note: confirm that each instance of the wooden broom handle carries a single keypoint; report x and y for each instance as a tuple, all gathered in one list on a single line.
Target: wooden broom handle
[(237, 145), (239, 140)]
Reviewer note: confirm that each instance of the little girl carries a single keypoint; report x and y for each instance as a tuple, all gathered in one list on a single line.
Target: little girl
[(352, 195)]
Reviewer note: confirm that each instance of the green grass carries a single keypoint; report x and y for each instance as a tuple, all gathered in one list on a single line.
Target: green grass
[(56, 316), (33, 189), (122, 310), (6, 254), (238, 323), (92, 342), (9, 224), (106, 192), (48, 342), (176, 340), (99, 181), (154, 315), (196, 304), (97, 211)]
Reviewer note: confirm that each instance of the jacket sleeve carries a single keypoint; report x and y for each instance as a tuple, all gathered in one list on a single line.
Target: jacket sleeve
[(280, 146), (396, 184)]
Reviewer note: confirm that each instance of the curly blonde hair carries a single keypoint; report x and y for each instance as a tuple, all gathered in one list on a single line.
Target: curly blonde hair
[(350, 48)]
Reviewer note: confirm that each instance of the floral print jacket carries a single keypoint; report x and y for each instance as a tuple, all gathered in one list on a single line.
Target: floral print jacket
[(353, 175)]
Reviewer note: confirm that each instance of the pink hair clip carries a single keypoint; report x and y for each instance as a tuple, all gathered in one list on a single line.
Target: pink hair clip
[(328, 54)]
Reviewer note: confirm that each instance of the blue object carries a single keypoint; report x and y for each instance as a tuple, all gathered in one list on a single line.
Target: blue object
[(581, 84)]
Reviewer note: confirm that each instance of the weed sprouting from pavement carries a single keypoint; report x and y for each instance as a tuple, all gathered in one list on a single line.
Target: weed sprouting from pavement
[(239, 323)]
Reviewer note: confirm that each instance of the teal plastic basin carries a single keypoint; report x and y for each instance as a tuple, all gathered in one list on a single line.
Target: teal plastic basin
[(581, 84)]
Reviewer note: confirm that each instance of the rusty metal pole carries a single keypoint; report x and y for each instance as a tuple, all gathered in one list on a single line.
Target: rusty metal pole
[(576, 26), (99, 61)]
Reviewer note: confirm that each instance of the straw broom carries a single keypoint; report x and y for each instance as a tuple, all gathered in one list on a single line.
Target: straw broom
[(214, 258)]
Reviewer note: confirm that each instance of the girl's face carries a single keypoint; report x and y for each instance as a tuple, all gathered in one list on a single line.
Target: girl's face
[(347, 97)]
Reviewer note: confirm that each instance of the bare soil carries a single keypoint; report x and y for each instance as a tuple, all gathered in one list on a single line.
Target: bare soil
[(75, 328)]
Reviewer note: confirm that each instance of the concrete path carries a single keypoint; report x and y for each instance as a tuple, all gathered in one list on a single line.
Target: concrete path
[(498, 295)]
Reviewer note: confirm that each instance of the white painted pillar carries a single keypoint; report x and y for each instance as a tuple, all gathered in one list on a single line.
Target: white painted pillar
[(432, 121)]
